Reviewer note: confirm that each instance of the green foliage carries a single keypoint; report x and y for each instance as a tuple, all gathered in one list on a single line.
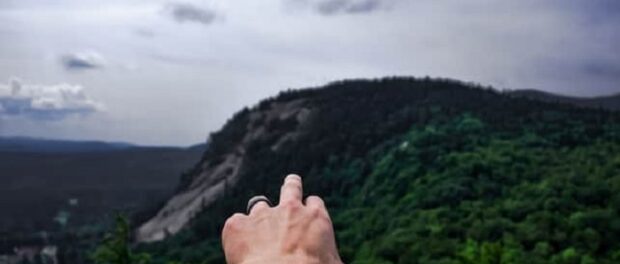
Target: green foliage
[(485, 253), (115, 248), (493, 200)]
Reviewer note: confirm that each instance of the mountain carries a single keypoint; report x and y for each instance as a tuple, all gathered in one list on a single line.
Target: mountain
[(36, 145), (412, 171), (611, 102), (82, 181)]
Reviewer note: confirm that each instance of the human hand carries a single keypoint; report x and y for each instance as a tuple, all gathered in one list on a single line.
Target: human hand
[(291, 232)]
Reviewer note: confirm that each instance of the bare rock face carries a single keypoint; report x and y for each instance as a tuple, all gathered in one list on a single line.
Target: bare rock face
[(216, 175)]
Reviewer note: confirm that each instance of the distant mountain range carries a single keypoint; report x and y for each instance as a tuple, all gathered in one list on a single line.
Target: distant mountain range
[(611, 102), (39, 178), (28, 144)]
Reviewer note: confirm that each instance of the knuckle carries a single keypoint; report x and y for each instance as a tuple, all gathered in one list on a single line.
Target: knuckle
[(316, 212), (260, 210), (320, 221), (233, 222), (315, 198), (291, 205), (315, 201), (323, 218), (323, 215)]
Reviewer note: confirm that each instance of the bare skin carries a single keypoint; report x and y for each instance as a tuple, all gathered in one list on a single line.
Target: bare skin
[(291, 232)]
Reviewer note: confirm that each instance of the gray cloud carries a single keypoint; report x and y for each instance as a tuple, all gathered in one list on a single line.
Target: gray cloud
[(44, 102), (185, 12), (335, 7), (603, 70), (82, 61)]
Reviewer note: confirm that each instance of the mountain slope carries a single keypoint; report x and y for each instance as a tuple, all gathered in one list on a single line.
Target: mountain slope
[(340, 139), (214, 177)]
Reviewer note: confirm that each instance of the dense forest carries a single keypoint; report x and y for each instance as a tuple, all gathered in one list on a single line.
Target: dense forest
[(429, 171)]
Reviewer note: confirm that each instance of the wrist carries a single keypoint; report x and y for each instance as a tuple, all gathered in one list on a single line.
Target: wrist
[(293, 259)]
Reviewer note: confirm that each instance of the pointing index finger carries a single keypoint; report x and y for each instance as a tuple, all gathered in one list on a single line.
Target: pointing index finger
[(292, 190)]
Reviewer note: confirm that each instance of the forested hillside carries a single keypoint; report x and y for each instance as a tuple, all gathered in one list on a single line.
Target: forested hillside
[(424, 171)]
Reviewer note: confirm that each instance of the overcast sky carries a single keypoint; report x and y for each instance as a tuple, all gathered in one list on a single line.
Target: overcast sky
[(168, 73)]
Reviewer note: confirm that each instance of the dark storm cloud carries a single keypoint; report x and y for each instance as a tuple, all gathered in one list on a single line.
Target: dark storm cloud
[(82, 61), (44, 102), (184, 12)]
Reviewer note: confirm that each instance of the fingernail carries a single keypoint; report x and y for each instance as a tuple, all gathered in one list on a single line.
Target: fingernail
[(293, 177)]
